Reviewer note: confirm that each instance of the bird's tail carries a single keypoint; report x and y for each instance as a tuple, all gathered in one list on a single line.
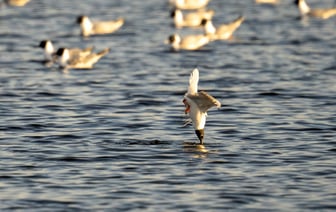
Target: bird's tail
[(89, 49), (236, 23), (104, 52)]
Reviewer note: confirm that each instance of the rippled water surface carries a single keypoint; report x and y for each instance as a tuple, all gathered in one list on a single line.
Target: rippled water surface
[(112, 138)]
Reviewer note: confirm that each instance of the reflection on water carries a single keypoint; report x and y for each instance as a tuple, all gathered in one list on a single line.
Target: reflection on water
[(195, 148)]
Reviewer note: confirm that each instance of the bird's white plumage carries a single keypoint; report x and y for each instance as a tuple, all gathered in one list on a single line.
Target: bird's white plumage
[(16, 3), (189, 4), (191, 19), (193, 82), (50, 54), (198, 103), (89, 27), (188, 42), (80, 62), (323, 13), (224, 31)]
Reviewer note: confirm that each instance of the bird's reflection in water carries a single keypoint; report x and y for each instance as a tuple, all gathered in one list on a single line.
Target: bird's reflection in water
[(199, 149)]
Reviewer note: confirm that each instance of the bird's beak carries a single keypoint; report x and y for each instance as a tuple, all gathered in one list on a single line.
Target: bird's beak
[(200, 135)]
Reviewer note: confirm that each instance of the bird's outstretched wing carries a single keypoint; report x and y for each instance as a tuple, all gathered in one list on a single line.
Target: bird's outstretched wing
[(204, 101)]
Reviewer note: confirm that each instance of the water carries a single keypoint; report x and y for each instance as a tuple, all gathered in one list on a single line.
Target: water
[(112, 138)]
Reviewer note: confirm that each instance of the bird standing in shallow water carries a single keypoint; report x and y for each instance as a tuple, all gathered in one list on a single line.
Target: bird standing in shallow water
[(197, 104)]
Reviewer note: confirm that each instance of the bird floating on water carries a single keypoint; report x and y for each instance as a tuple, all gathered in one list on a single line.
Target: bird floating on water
[(50, 54), (197, 104), (16, 3), (188, 42), (189, 4), (89, 28), (224, 31), (84, 62), (191, 19), (323, 13), (267, 1)]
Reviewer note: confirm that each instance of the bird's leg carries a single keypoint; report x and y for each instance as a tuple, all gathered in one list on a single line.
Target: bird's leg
[(187, 106)]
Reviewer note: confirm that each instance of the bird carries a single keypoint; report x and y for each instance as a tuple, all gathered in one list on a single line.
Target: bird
[(323, 13), (84, 62), (189, 4), (188, 42), (267, 1), (49, 51), (50, 54), (89, 28), (192, 19), (16, 3), (197, 103), (224, 31)]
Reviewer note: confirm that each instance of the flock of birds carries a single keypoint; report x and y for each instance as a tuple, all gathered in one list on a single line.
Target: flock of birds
[(185, 13), (201, 17), (198, 17), (76, 58), (198, 103)]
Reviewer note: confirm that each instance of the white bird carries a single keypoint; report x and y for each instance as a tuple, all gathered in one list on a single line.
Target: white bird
[(189, 4), (49, 51), (192, 19), (16, 3), (98, 27), (189, 42), (85, 62), (267, 1), (323, 13), (50, 54), (224, 31), (197, 104)]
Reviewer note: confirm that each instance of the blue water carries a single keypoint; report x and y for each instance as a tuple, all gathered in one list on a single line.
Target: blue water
[(112, 138)]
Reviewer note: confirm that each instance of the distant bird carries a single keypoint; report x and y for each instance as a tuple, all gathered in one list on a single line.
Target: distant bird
[(323, 13), (85, 62), (16, 3), (98, 27), (267, 1), (197, 104), (189, 4), (49, 51), (224, 31), (191, 19), (189, 42), (50, 54)]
